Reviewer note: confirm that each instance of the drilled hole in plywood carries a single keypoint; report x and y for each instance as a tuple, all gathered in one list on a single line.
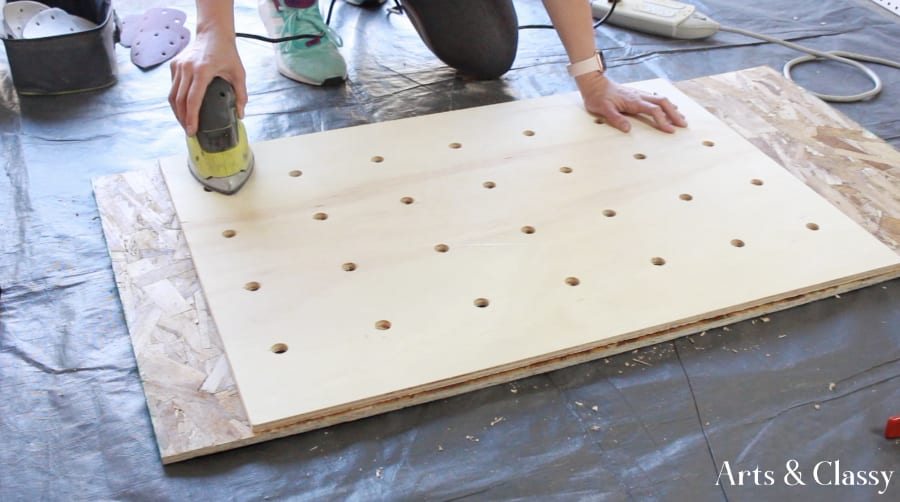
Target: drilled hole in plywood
[(565, 169), (407, 200), (252, 286), (640, 156), (708, 143), (738, 243), (228, 233), (377, 159), (528, 229), (609, 213), (441, 248), (656, 260), (756, 181), (349, 266), (296, 173), (481, 302), (455, 145), (279, 348), (573, 281), (383, 325), (320, 216), (812, 226), (686, 197), (528, 132), (489, 184)]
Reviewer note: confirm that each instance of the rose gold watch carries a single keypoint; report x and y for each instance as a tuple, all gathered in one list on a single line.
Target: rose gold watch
[(593, 63)]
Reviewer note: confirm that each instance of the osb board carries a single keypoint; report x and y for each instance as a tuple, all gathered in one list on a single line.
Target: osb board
[(846, 164), (490, 239), (190, 392)]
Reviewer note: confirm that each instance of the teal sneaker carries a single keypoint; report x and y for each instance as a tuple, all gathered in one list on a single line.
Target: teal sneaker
[(314, 61)]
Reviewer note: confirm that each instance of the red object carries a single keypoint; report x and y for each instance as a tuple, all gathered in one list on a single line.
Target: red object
[(892, 429)]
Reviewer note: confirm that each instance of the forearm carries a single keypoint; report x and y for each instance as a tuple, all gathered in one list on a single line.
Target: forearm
[(215, 16), (574, 24)]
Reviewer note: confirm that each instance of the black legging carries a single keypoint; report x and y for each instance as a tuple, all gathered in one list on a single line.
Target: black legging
[(477, 37)]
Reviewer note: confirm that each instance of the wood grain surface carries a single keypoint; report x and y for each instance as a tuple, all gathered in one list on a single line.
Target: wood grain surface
[(190, 390)]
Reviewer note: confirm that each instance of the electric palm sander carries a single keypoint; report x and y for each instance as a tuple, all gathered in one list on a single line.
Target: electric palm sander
[(219, 154)]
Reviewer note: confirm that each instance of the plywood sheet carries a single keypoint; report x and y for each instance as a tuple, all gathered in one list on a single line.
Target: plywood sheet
[(365, 264), (191, 395)]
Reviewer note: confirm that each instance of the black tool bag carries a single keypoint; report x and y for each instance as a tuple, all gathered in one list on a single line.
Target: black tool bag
[(68, 63)]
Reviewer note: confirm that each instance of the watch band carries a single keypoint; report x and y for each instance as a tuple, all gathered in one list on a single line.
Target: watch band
[(593, 63)]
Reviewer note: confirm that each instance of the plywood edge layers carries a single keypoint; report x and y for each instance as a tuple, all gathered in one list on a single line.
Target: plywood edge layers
[(589, 351), (420, 396)]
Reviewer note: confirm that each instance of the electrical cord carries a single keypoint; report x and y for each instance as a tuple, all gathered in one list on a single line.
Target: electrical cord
[(850, 58), (278, 40), (398, 9), (600, 22)]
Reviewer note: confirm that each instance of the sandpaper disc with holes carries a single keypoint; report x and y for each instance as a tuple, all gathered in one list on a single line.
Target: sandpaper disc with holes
[(53, 22), (155, 36), (17, 14)]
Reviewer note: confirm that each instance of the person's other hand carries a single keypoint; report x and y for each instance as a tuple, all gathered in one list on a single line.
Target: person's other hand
[(613, 102), (212, 54)]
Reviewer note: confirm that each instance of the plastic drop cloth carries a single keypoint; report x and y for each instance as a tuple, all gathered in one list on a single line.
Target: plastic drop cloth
[(813, 384)]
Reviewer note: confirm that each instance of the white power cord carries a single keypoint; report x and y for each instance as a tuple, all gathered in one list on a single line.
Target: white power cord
[(849, 58), (674, 19)]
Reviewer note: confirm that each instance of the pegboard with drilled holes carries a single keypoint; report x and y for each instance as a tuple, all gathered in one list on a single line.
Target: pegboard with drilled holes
[(893, 6), (365, 264)]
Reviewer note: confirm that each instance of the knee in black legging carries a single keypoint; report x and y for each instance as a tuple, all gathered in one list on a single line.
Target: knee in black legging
[(477, 37)]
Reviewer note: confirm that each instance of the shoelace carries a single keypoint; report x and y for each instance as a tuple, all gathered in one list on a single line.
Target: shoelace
[(297, 20)]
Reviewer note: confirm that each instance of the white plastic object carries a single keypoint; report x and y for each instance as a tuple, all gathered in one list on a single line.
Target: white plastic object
[(53, 22), (17, 14), (893, 6), (666, 18)]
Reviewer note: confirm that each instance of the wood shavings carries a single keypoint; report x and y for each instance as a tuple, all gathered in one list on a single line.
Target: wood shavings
[(472, 438), (497, 420), (817, 406), (595, 428), (379, 472), (782, 335), (832, 386), (640, 361)]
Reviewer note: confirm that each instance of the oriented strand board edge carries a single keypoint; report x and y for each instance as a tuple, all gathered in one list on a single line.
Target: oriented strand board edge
[(843, 162), (191, 397)]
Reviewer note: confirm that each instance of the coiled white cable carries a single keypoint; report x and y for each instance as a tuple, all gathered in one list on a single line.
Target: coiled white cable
[(849, 58)]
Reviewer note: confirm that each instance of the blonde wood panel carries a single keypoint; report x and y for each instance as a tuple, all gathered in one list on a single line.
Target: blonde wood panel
[(704, 224), (191, 396)]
